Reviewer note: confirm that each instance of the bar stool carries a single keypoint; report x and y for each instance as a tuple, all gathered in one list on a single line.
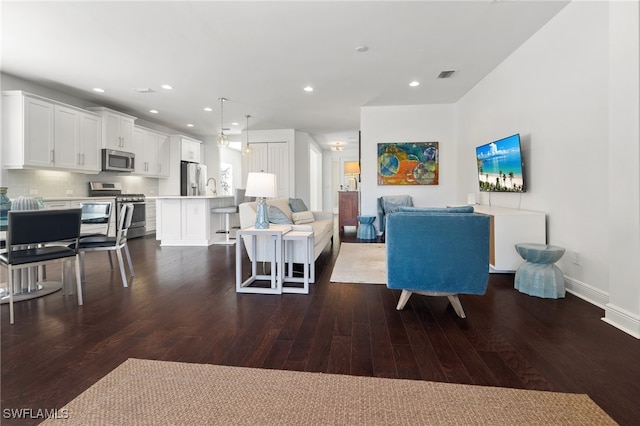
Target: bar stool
[(239, 198)]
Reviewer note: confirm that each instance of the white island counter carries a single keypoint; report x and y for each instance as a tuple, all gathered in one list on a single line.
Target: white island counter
[(188, 221)]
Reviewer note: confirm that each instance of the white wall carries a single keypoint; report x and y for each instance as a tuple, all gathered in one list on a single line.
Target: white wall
[(572, 92), (419, 123), (579, 118), (623, 309), (554, 91)]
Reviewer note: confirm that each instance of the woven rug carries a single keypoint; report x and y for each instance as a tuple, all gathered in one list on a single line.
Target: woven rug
[(360, 263), (143, 392)]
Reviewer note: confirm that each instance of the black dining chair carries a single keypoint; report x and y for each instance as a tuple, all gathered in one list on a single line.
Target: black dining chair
[(39, 237), (117, 244)]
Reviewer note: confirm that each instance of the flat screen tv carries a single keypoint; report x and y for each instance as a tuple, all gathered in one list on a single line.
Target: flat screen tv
[(500, 166)]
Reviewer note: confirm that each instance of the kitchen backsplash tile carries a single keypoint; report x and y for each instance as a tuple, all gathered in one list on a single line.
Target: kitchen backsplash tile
[(52, 184)]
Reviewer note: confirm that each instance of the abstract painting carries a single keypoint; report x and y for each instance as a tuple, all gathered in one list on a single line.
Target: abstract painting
[(408, 163)]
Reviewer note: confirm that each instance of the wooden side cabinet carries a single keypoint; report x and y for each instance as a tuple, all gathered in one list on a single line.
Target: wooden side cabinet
[(347, 209)]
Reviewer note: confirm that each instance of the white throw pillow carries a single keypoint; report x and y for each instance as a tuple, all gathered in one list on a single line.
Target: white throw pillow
[(302, 217)]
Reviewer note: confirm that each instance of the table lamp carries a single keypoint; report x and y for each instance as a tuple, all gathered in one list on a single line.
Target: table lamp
[(351, 169), (261, 185)]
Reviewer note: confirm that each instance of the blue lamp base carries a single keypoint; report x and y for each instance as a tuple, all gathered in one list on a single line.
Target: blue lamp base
[(262, 218)]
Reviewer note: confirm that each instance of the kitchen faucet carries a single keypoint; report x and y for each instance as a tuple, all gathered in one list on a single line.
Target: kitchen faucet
[(215, 185)]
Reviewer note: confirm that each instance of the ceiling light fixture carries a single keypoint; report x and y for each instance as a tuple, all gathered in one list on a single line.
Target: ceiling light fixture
[(99, 90), (247, 150), (167, 86), (153, 111), (337, 147), (222, 139), (362, 49), (208, 109), (414, 83), (189, 125), (308, 89)]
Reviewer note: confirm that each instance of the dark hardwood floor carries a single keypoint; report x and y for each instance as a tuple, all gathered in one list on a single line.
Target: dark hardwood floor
[(182, 306)]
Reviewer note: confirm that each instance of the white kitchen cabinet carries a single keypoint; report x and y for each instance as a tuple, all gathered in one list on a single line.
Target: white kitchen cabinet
[(272, 157), (27, 130), (40, 133), (150, 147), (117, 129), (164, 155), (190, 149), (77, 140), (90, 142)]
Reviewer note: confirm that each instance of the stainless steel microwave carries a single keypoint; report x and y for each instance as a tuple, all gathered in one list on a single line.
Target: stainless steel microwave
[(117, 161)]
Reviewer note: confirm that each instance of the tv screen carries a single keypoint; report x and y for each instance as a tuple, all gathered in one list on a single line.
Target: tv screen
[(500, 166)]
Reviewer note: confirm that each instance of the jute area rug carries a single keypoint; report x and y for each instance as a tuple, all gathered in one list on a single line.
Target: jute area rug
[(142, 392), (360, 263)]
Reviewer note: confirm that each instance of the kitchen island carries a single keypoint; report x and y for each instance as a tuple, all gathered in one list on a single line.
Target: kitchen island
[(188, 221)]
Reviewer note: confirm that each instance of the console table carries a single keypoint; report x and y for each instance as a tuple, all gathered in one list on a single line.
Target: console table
[(508, 228)]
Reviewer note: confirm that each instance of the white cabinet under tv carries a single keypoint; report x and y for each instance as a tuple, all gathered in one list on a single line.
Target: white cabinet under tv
[(508, 228)]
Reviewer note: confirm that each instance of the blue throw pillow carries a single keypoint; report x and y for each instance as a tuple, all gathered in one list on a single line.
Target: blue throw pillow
[(278, 216), (297, 205), (460, 209)]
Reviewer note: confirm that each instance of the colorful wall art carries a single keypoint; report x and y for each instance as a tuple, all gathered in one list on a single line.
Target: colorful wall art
[(408, 163)]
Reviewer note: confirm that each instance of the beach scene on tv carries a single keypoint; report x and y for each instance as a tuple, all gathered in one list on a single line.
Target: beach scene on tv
[(500, 166)]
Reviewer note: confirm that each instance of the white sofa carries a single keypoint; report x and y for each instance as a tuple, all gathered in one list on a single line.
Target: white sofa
[(322, 227)]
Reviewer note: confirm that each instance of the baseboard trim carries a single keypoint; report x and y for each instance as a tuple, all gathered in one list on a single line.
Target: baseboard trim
[(586, 292), (615, 316), (622, 320)]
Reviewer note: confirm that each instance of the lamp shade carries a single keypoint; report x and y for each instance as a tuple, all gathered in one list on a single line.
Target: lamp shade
[(351, 168), (261, 185)]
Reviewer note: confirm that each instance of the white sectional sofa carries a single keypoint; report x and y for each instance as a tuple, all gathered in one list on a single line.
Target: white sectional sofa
[(322, 227)]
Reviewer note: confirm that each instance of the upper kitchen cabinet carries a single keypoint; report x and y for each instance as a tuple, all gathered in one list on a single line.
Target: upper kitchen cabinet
[(117, 129), (40, 133), (77, 139), (152, 152), (190, 149)]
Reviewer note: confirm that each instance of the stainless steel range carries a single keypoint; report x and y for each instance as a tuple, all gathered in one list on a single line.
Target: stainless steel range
[(138, 223)]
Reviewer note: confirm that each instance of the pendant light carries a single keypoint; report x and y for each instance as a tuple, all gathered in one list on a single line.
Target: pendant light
[(222, 139), (247, 150)]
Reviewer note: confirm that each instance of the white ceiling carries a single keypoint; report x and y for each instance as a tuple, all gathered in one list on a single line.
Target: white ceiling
[(261, 54)]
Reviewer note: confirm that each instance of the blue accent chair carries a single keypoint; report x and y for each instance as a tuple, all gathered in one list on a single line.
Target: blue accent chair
[(437, 252)]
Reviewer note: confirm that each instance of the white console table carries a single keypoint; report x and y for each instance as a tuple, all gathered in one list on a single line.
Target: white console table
[(508, 228)]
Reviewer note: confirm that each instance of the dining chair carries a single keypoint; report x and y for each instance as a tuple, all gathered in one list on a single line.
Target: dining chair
[(39, 237), (117, 244)]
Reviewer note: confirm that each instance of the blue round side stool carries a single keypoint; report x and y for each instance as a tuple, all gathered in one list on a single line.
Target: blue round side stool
[(366, 230), (538, 276)]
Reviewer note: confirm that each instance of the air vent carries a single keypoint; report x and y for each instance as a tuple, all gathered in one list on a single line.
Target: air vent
[(144, 90), (445, 74)]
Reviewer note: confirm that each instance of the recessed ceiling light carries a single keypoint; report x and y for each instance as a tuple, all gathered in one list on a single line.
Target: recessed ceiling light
[(362, 49), (235, 124), (167, 86), (189, 125), (414, 83), (208, 109), (99, 90), (153, 111), (308, 89)]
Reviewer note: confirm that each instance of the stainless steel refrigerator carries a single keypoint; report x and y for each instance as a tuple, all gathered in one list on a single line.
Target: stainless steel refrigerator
[(193, 179)]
